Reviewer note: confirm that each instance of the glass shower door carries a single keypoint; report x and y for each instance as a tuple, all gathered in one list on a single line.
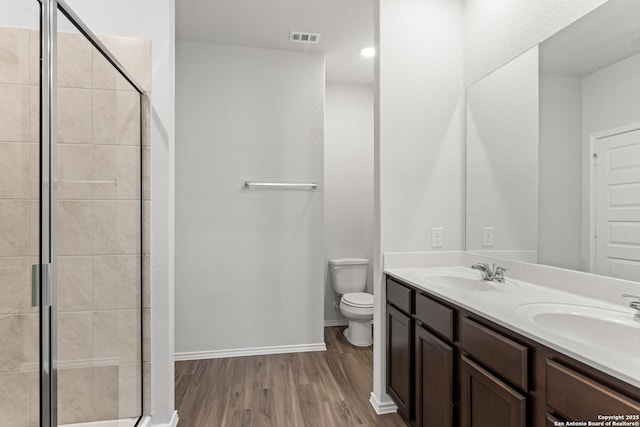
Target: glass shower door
[(70, 224), (97, 237), (19, 213)]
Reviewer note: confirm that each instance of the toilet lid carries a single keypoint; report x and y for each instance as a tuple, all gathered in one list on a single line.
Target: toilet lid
[(358, 299)]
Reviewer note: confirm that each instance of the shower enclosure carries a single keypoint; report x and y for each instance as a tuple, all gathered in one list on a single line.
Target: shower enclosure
[(72, 229)]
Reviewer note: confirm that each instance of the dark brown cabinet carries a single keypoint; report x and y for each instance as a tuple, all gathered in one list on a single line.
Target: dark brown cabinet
[(399, 338), (449, 367), (434, 362), (552, 421), (486, 401)]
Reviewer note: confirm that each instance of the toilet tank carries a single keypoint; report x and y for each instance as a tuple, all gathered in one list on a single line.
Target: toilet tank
[(348, 274)]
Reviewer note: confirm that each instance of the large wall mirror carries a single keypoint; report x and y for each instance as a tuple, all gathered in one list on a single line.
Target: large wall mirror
[(553, 149)]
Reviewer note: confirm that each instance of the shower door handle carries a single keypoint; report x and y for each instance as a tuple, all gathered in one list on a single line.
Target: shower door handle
[(35, 280), (40, 273)]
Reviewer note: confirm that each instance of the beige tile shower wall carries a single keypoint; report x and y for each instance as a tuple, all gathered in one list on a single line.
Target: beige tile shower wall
[(18, 228), (98, 227)]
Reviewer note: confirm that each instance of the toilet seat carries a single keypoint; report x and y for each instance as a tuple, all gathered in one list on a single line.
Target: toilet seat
[(358, 300)]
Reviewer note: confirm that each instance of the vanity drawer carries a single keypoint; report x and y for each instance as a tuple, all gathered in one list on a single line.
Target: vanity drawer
[(435, 315), (399, 295), (582, 399), (497, 352)]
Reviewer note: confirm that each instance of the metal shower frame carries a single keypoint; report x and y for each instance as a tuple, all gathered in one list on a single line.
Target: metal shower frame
[(46, 273)]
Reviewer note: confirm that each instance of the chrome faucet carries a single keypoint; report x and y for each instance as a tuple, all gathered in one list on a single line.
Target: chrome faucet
[(484, 269), (635, 305), (495, 274), (498, 273)]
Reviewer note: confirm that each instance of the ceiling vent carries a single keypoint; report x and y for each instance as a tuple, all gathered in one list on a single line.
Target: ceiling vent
[(303, 37)]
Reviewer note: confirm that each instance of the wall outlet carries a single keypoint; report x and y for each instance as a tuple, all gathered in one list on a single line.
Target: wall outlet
[(487, 237), (437, 237)]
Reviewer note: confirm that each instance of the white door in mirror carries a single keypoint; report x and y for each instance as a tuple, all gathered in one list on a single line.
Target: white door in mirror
[(618, 205)]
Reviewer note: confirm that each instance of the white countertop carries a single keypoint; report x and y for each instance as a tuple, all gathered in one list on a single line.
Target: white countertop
[(501, 305)]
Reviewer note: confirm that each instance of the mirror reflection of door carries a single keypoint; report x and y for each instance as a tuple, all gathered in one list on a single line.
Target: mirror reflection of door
[(587, 85), (617, 196)]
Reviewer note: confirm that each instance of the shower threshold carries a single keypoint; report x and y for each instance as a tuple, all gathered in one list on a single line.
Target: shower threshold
[(125, 422)]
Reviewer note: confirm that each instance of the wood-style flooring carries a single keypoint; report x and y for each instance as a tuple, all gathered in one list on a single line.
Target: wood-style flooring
[(318, 389)]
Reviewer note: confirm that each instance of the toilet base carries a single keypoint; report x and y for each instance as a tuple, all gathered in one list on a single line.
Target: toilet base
[(359, 334)]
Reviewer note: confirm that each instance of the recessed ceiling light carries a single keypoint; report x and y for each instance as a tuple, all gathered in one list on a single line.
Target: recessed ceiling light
[(368, 52)]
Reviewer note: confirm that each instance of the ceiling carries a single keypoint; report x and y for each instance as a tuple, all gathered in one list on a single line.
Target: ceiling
[(346, 27), (605, 36)]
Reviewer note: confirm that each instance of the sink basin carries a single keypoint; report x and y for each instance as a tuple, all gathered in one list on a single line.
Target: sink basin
[(459, 280), (593, 326)]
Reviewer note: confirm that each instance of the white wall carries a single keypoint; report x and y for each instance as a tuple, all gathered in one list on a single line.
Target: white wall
[(249, 263), (502, 156), (611, 97), (421, 123), (496, 31), (154, 20), (20, 14), (348, 179), (419, 136), (560, 204)]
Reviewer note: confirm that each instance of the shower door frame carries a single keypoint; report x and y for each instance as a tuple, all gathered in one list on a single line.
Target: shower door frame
[(47, 271)]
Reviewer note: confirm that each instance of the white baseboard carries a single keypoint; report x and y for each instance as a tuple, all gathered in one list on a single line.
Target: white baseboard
[(174, 419), (255, 351), (337, 322), (382, 408), (148, 422)]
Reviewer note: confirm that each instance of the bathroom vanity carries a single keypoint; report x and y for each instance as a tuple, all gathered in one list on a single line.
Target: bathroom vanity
[(466, 352), (552, 158)]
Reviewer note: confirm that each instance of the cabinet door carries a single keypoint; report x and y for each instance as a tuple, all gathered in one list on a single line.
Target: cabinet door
[(486, 401), (399, 360), (434, 380), (553, 421)]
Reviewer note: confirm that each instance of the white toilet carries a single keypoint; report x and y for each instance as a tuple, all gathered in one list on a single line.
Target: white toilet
[(349, 278)]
